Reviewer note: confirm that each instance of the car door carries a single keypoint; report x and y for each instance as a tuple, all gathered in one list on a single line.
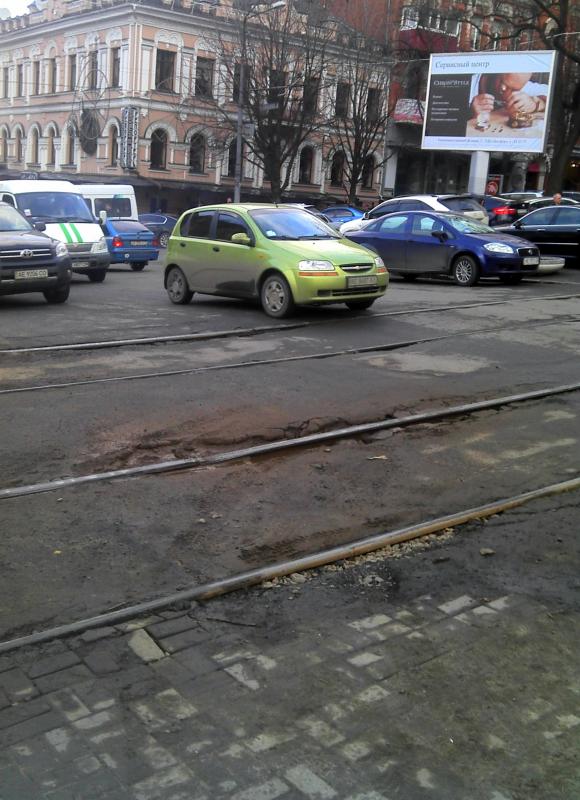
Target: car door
[(192, 249), (536, 227), (388, 237), (565, 234), (428, 244), (235, 266)]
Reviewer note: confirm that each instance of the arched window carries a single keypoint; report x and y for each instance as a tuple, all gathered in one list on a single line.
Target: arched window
[(337, 169), (305, 165), (368, 173), (114, 145), (18, 148), (158, 149), (3, 147), (197, 153), (232, 159), (71, 147), (34, 146), (50, 149)]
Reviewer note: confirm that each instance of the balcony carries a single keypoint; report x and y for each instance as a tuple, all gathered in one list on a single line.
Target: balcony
[(409, 110), (428, 32)]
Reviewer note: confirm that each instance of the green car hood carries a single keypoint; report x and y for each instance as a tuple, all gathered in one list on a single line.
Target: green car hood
[(338, 251)]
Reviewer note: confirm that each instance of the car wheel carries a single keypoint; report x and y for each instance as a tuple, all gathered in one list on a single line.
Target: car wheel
[(177, 288), (163, 239), (138, 266), (54, 296), (97, 275), (359, 305), (276, 297), (465, 271), (511, 280)]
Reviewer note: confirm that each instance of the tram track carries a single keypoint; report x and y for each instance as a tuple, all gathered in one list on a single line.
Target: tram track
[(266, 329), (319, 356), (286, 444)]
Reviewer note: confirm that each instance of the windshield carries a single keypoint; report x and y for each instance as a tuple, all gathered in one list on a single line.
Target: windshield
[(116, 207), (11, 220), (466, 225), (291, 224), (54, 206)]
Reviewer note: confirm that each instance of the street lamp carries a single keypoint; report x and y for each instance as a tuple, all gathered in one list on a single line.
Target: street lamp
[(254, 10)]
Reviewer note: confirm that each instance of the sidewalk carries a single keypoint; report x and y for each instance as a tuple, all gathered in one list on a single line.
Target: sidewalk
[(344, 683)]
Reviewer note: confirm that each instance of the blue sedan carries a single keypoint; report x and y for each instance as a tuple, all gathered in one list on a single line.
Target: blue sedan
[(418, 243), (338, 215), (130, 242)]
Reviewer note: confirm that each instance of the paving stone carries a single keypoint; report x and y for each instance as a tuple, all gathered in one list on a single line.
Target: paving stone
[(65, 743), (65, 678), (172, 626), (96, 634), (69, 705), (310, 784), (17, 685), (265, 791), (30, 728), (152, 787), (171, 670), (14, 785), (195, 662), (172, 644), (457, 604), (4, 701), (23, 711), (144, 646), (33, 756), (55, 663), (89, 787)]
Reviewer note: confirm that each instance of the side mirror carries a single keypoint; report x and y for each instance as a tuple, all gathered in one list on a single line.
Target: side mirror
[(441, 235), (517, 224), (366, 215), (241, 238), (40, 226), (102, 216)]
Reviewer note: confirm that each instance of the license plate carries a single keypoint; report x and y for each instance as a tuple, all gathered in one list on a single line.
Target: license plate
[(361, 280), (20, 274), (530, 261), (81, 264), (137, 244)]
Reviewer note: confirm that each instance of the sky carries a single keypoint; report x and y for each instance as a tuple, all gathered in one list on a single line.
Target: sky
[(15, 6)]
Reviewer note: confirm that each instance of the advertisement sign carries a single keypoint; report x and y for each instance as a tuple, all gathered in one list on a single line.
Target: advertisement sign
[(129, 137), (494, 184), (489, 101)]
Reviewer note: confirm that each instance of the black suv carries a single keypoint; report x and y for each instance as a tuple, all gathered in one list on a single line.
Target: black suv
[(30, 261)]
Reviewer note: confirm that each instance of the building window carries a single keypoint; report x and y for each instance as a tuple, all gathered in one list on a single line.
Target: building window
[(373, 104), (34, 146), (368, 172), (4, 147), (277, 90), (305, 165), (164, 70), (116, 66), (114, 145), (197, 153), (342, 100), (36, 77), (236, 83), (204, 77), (5, 81), (72, 73), (232, 159), (71, 147), (93, 70), (310, 95), (50, 149), (18, 147), (337, 169), (52, 76), (158, 149), (20, 80)]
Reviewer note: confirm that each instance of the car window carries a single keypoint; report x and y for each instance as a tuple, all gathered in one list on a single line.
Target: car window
[(197, 225), (467, 225), (11, 220), (114, 206), (461, 204), (394, 223), (543, 216), (422, 225), (412, 205), (129, 226), (291, 224), (7, 198), (228, 224), (382, 209), (568, 216)]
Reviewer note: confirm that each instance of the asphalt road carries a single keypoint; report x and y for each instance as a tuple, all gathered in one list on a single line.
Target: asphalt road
[(79, 551)]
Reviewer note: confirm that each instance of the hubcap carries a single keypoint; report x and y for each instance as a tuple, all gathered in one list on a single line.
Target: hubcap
[(275, 296), (175, 286), (463, 270)]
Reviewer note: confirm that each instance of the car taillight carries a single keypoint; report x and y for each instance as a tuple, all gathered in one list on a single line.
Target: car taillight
[(117, 241), (155, 242), (504, 210)]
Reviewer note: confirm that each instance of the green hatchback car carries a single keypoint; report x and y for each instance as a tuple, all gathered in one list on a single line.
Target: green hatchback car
[(279, 255)]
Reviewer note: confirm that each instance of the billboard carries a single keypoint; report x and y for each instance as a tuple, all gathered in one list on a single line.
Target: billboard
[(489, 101)]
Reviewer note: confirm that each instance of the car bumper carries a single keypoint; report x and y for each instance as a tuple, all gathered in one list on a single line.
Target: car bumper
[(59, 275), (334, 289), (90, 262), (134, 255), (507, 265)]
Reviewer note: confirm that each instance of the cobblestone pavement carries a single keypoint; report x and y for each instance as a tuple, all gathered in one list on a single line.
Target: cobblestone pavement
[(332, 685)]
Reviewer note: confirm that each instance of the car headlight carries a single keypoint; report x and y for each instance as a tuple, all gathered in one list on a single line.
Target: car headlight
[(100, 246), (61, 249), (316, 266), (379, 262), (498, 247)]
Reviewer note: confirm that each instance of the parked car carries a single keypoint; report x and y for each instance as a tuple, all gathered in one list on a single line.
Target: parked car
[(30, 261), (338, 215), (544, 202), (465, 204), (572, 195), (279, 255), (161, 224), (499, 210), (419, 243), (130, 242), (555, 230)]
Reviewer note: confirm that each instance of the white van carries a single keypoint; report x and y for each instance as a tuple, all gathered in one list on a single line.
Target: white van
[(58, 208), (117, 200)]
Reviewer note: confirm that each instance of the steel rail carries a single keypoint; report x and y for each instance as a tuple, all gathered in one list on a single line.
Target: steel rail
[(264, 329), (321, 558), (380, 348), (175, 465)]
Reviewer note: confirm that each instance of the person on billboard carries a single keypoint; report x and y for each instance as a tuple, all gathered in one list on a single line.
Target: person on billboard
[(513, 91)]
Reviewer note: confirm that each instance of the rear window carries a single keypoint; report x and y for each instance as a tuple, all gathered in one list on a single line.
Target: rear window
[(461, 204), (114, 206), (126, 225)]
